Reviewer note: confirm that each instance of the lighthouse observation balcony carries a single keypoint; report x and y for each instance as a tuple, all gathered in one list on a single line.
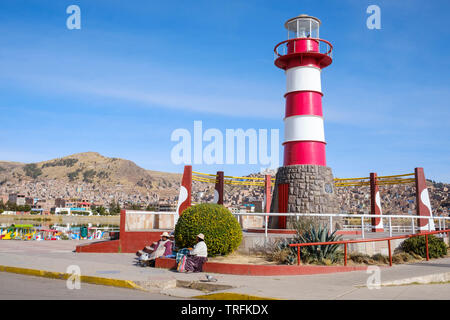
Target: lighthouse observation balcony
[(303, 51)]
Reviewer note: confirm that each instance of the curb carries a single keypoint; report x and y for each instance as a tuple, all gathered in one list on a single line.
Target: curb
[(64, 276), (128, 284), (231, 296), (427, 279)]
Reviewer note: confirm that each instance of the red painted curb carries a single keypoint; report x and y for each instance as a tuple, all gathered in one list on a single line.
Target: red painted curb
[(261, 270), (108, 246)]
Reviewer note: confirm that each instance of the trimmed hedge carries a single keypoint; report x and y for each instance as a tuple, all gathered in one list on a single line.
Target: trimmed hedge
[(436, 246), (222, 231)]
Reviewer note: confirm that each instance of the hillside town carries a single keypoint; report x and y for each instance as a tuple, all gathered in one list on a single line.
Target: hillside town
[(46, 196)]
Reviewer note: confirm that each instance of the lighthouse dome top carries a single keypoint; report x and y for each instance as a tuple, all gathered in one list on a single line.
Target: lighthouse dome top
[(303, 26)]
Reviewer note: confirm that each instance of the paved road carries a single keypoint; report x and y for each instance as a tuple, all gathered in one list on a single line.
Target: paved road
[(408, 292), (57, 256), (16, 286)]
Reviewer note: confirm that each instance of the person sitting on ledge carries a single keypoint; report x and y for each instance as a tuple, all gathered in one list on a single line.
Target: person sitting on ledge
[(197, 256), (158, 249), (174, 248)]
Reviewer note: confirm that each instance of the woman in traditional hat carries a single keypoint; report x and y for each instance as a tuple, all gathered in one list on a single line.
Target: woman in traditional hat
[(197, 256), (161, 248)]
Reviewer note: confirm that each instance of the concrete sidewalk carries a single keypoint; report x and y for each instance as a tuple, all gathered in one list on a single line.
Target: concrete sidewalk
[(57, 256)]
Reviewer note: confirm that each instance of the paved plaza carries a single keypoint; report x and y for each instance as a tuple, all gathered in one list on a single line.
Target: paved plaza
[(57, 256)]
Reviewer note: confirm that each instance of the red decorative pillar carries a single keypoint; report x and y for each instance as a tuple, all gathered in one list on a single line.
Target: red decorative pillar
[(375, 204), (184, 198), (283, 196), (218, 189), (423, 204), (267, 192)]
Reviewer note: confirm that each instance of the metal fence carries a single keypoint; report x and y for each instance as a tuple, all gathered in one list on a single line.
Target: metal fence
[(388, 221), (392, 223)]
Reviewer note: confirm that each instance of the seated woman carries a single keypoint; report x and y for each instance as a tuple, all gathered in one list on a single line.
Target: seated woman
[(161, 248), (197, 256), (150, 249), (174, 248)]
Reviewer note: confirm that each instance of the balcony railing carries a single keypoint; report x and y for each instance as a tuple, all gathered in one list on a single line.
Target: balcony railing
[(324, 47)]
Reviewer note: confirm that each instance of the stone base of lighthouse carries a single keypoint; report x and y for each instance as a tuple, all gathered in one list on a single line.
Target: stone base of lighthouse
[(304, 189)]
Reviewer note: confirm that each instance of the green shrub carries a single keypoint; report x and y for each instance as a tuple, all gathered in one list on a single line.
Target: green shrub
[(436, 246), (222, 231)]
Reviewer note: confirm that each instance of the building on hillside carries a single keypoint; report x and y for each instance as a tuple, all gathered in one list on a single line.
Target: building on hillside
[(17, 198), (4, 198), (258, 205), (60, 203), (167, 207)]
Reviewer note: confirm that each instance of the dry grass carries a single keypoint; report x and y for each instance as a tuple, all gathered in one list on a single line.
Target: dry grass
[(239, 258), (379, 259)]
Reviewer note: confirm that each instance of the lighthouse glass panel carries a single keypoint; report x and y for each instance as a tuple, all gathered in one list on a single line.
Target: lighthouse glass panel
[(303, 28)]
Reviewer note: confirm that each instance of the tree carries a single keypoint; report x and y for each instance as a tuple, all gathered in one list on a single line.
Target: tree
[(151, 208), (11, 206), (32, 170), (114, 208), (101, 211), (135, 207)]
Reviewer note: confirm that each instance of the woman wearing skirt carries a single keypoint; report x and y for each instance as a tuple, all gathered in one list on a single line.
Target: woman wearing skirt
[(197, 256)]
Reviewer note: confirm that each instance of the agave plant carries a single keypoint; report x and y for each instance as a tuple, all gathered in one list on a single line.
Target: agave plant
[(283, 245), (319, 252)]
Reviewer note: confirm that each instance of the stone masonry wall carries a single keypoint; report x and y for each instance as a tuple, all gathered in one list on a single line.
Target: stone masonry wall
[(311, 190)]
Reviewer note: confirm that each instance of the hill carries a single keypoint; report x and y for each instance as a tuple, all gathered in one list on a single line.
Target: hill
[(88, 171), (97, 178)]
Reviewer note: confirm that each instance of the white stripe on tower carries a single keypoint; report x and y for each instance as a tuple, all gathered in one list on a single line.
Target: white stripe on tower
[(303, 79), (304, 128)]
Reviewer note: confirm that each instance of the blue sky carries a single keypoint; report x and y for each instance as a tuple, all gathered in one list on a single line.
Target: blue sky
[(138, 70)]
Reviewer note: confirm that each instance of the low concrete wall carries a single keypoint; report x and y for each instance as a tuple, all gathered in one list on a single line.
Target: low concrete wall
[(247, 222), (136, 232), (148, 222)]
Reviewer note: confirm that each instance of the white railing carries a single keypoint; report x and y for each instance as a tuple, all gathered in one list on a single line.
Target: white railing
[(440, 222)]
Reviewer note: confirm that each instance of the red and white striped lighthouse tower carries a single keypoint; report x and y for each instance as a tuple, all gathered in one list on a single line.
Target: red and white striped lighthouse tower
[(304, 184), (303, 56)]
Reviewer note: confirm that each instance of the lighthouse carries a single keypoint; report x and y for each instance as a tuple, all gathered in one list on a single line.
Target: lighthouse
[(304, 184)]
